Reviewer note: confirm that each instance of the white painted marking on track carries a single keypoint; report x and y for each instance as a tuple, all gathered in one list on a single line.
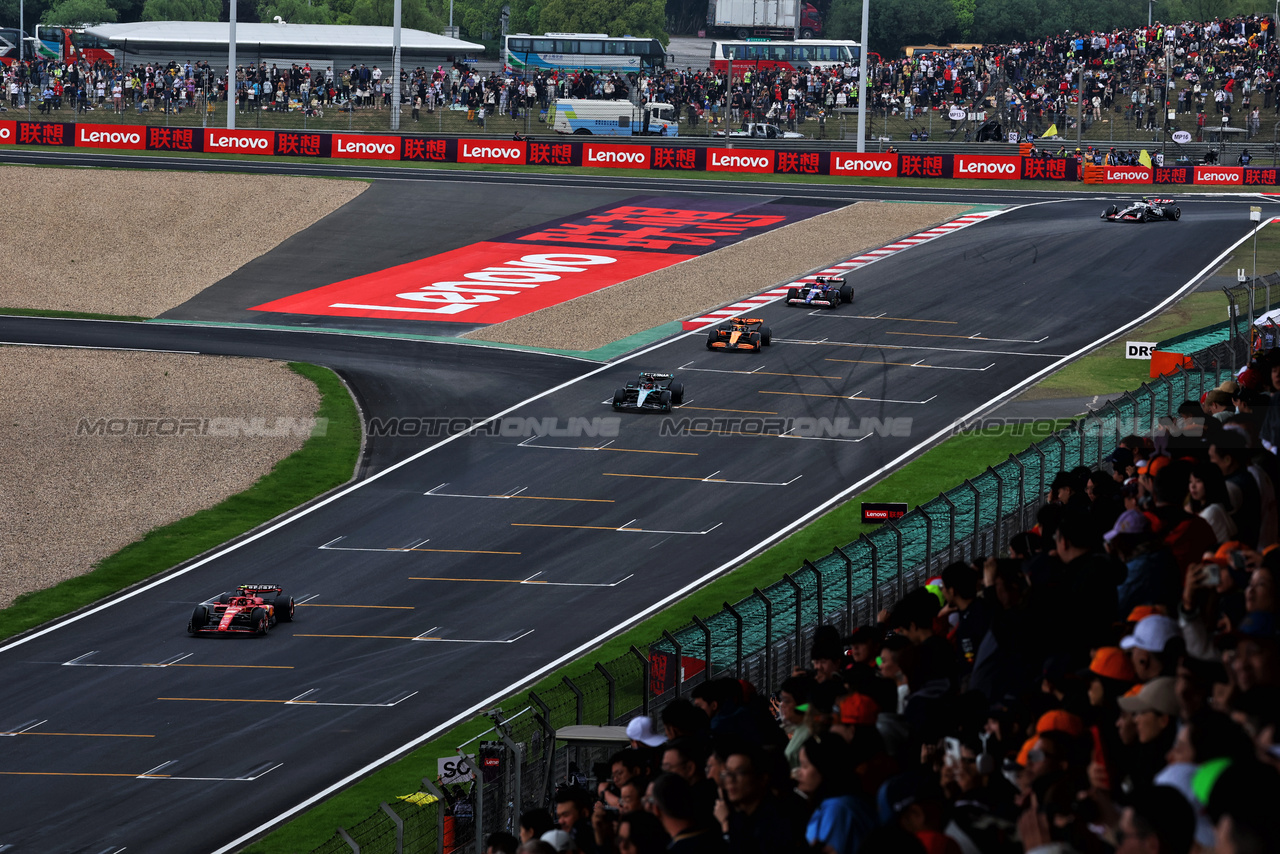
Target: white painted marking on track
[(23, 728), (828, 342), (472, 640)]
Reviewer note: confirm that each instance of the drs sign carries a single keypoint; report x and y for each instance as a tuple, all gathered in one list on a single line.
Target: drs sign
[(1139, 349)]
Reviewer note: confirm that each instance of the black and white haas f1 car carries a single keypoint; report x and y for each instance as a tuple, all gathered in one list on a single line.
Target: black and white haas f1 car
[(253, 609), (649, 393), (1147, 210), (823, 292)]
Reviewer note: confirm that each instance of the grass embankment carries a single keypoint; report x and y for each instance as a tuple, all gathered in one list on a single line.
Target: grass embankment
[(322, 463), (941, 468)]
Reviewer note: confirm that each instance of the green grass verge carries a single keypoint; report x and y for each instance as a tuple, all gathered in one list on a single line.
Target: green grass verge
[(940, 468), (79, 315), (323, 462)]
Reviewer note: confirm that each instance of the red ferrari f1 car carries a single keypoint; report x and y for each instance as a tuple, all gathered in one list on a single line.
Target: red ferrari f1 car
[(253, 609)]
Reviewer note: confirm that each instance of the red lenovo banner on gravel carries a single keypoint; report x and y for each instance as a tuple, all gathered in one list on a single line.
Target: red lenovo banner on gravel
[(486, 282), (240, 141), (110, 136), (364, 147), (546, 264), (8, 133)]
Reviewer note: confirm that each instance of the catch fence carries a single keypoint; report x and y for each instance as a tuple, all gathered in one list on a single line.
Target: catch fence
[(763, 636)]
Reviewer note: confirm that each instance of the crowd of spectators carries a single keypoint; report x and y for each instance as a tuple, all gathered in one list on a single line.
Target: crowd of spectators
[(1202, 70), (1112, 684)]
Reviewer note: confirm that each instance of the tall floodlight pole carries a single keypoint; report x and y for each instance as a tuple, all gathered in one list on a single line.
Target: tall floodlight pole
[(231, 70), (22, 29), (395, 66), (796, 35), (1080, 105), (862, 79)]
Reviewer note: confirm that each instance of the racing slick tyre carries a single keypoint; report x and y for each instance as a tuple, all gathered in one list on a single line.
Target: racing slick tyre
[(711, 338), (1111, 210), (792, 293), (766, 336), (258, 619), (846, 293), (677, 393), (664, 400), (199, 619), (619, 398), (284, 608), (755, 341), (1175, 214)]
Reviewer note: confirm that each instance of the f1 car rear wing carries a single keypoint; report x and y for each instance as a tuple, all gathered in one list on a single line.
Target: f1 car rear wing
[(260, 588), (829, 280), (651, 376), (1155, 201)]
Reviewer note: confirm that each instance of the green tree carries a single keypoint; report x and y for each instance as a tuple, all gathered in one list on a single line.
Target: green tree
[(891, 26), (615, 17), (414, 14), (295, 11), (70, 13), (181, 10)]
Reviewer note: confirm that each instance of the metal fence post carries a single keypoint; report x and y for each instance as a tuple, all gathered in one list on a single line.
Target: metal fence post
[(351, 843), (550, 732), (679, 662), (399, 826), (1044, 462), (817, 574), (951, 527), (897, 533), (439, 796), (875, 577), (768, 635), (577, 693), (928, 537), (613, 690), (644, 670), (1022, 491), (737, 618), (706, 632), (977, 518), (1062, 447), (848, 589), (477, 789), (795, 588), (995, 532), (516, 758)]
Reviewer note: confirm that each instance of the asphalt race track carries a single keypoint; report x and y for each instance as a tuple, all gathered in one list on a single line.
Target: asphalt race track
[(437, 585)]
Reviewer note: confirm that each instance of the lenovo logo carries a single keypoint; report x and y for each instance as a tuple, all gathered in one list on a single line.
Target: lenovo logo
[(1116, 175), (751, 162), (491, 152), (1216, 176), (623, 157), (92, 137), (507, 279), (853, 164), (350, 147), (975, 167), (236, 142)]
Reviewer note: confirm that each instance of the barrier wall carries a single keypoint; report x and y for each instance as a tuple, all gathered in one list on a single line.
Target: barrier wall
[(570, 152), (1221, 176)]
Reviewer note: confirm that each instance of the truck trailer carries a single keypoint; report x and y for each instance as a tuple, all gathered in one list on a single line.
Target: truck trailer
[(746, 18)]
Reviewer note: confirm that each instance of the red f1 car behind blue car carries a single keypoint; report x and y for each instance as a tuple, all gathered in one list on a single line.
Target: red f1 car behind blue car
[(253, 609), (1147, 210)]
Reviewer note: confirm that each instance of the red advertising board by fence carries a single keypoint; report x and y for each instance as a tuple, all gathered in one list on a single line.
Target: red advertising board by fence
[(569, 152)]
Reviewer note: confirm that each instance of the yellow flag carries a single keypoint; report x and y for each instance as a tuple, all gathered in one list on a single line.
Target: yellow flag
[(1051, 132), (1145, 159)]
